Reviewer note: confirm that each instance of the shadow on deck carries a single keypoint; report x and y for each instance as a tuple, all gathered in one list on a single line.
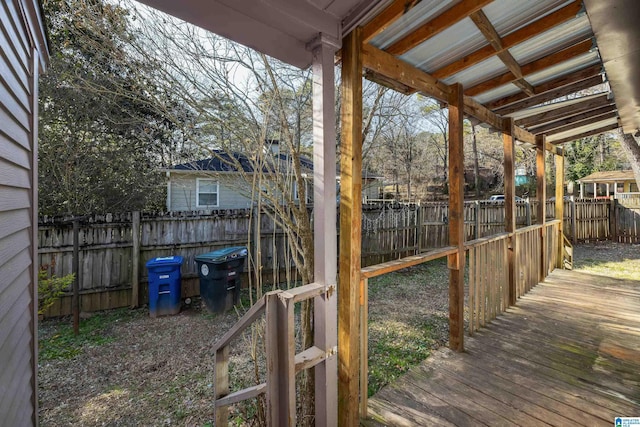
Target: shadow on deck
[(567, 354)]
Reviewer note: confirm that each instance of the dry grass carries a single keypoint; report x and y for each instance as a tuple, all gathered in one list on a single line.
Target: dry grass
[(127, 369)]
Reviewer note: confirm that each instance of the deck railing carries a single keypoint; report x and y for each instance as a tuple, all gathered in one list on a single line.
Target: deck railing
[(528, 258), (281, 361), (488, 279)]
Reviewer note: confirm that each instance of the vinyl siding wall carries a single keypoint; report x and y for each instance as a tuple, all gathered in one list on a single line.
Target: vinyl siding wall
[(183, 195), (20, 35)]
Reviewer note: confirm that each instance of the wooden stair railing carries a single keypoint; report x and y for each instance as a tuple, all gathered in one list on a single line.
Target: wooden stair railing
[(282, 362)]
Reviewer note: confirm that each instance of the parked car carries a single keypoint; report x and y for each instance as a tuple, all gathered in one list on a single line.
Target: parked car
[(500, 198)]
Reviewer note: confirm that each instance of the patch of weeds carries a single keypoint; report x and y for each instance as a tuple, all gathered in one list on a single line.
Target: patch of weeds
[(395, 347), (61, 343)]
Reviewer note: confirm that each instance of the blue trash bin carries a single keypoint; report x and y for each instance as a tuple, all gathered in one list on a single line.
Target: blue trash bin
[(164, 285)]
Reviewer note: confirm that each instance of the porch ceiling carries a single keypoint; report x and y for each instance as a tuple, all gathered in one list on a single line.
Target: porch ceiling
[(510, 56)]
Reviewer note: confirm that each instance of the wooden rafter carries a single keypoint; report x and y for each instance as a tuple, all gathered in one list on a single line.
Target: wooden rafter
[(586, 134), (560, 112), (438, 24), (575, 118), (385, 18), (487, 29), (533, 67), (525, 33), (552, 89), (397, 70)]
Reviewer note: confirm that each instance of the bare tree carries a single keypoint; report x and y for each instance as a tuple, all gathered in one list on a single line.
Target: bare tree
[(632, 149)]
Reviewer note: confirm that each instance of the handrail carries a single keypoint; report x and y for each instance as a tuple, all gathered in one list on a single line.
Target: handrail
[(410, 261), (283, 364), (484, 240), (531, 227), (247, 319)]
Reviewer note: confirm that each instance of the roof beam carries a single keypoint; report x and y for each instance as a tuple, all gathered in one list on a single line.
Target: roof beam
[(487, 29), (556, 88), (385, 18), (533, 67), (575, 118), (525, 33), (438, 24), (586, 134), (584, 122), (385, 64), (578, 107)]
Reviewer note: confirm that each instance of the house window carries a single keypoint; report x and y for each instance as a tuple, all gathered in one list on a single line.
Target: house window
[(207, 191)]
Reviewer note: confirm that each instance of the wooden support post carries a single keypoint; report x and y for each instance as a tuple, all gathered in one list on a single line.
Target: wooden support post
[(324, 224), (135, 259), (350, 230), (456, 218), (510, 203), (76, 280), (560, 207), (541, 194), (364, 342), (280, 355), (221, 375)]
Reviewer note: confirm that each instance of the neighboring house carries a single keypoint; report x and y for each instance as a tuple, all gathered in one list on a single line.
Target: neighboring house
[(608, 183), (218, 182), (23, 56)]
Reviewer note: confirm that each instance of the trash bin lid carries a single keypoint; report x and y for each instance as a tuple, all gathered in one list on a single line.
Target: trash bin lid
[(225, 254), (167, 260)]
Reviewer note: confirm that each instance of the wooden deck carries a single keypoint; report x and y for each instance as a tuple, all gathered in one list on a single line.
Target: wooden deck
[(567, 354)]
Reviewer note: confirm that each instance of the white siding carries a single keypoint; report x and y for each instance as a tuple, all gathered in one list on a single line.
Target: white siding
[(20, 34)]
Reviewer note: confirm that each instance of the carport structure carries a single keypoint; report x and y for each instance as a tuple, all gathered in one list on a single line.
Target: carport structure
[(500, 63)]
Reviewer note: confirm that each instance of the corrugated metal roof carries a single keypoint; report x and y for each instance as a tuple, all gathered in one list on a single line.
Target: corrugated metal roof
[(548, 107), (566, 67), (478, 73), (497, 93), (455, 42), (550, 41), (582, 129), (510, 15), (420, 13)]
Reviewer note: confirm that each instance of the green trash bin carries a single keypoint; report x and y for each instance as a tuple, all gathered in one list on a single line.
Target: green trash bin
[(219, 273)]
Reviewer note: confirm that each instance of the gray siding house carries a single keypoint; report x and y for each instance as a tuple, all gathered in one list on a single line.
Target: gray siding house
[(23, 55), (217, 183)]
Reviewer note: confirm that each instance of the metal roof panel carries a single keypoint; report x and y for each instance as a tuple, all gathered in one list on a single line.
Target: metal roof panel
[(566, 67), (582, 129), (510, 15), (497, 93), (480, 72), (423, 12), (553, 40)]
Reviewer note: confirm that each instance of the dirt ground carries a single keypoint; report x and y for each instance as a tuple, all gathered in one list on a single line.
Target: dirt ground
[(127, 369)]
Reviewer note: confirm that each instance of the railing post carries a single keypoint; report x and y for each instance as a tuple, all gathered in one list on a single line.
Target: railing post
[(364, 342), (221, 374), (560, 207), (280, 355)]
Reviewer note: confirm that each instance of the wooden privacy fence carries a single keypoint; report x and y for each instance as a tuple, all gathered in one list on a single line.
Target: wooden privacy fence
[(112, 262)]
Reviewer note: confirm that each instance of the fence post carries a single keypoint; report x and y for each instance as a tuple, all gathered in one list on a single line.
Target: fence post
[(419, 234), (76, 280), (476, 234), (574, 222), (135, 259), (613, 219)]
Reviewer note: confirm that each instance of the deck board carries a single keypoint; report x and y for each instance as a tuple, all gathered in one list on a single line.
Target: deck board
[(567, 354)]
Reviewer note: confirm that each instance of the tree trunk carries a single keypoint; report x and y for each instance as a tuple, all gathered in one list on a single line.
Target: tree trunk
[(632, 149), (476, 166)]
